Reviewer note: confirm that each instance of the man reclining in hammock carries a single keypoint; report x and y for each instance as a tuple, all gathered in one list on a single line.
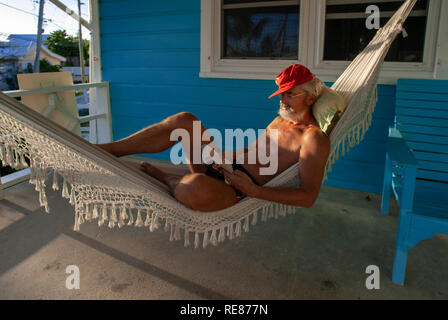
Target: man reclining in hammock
[(210, 188)]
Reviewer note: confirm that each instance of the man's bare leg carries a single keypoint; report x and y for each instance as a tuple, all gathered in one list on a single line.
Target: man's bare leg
[(156, 138), (155, 172), (196, 190)]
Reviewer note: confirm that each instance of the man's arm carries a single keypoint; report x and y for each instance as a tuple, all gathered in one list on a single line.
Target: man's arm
[(313, 158)]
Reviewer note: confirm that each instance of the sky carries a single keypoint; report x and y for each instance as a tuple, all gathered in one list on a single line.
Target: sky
[(20, 17)]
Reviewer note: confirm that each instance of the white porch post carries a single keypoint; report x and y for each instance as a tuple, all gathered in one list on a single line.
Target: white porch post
[(99, 97)]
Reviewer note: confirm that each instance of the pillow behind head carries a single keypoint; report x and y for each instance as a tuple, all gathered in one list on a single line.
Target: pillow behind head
[(328, 108)]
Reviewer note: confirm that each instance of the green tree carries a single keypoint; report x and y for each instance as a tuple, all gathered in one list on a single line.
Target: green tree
[(61, 43), (65, 45), (46, 66)]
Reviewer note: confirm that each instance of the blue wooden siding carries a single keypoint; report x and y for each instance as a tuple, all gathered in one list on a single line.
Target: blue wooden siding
[(151, 56)]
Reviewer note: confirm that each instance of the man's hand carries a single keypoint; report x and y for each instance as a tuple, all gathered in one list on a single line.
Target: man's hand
[(241, 182), (313, 157)]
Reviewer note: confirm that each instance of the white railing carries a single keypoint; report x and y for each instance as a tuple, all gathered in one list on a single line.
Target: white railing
[(99, 95), (100, 125)]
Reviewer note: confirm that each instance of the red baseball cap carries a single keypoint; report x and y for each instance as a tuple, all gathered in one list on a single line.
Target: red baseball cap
[(292, 76)]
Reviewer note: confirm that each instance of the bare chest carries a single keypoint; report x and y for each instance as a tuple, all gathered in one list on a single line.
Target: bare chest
[(287, 139), (280, 144)]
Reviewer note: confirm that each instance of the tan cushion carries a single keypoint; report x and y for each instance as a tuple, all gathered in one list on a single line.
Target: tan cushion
[(328, 108)]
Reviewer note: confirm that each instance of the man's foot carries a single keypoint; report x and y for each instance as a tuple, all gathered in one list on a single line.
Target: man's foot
[(146, 168)]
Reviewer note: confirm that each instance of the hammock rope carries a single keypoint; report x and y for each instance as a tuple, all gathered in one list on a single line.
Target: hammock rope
[(102, 187)]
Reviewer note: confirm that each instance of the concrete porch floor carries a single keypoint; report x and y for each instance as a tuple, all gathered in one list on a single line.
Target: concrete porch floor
[(318, 253)]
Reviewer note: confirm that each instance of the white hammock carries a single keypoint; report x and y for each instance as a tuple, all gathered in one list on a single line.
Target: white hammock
[(101, 186)]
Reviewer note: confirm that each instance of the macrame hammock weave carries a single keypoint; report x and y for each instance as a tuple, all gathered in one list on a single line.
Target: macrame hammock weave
[(102, 187)]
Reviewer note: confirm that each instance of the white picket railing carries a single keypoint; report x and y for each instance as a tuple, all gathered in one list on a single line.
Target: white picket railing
[(99, 119)]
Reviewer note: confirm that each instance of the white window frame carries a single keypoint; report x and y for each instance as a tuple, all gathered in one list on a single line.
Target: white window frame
[(310, 48), (391, 70), (213, 66)]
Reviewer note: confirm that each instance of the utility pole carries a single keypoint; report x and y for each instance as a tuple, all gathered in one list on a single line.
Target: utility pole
[(39, 37), (81, 49)]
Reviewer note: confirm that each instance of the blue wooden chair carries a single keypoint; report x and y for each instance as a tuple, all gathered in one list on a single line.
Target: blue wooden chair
[(416, 170)]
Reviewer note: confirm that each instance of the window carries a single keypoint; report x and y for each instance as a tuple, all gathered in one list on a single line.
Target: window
[(346, 34), (260, 30), (255, 39)]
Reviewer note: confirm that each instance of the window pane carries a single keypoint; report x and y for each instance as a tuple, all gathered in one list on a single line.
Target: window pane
[(345, 37), (261, 33)]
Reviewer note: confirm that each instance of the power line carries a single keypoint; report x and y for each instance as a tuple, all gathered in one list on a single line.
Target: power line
[(19, 9), (35, 15), (51, 21)]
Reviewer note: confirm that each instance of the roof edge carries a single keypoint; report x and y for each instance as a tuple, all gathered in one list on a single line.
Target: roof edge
[(54, 55)]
